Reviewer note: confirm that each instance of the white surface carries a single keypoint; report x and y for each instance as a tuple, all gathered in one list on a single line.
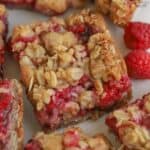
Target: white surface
[(140, 87)]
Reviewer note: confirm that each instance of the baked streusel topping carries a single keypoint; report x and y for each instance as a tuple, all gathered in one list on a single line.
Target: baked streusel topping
[(120, 11), (69, 66), (71, 139), (132, 124)]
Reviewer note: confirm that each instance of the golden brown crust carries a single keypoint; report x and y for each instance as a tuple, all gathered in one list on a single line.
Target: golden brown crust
[(120, 11)]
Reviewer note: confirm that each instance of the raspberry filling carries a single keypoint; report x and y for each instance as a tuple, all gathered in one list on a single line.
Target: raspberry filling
[(83, 31), (53, 113), (114, 91), (71, 139), (142, 119), (33, 145), (5, 108)]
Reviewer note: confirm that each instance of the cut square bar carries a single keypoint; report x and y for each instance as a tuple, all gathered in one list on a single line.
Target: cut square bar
[(131, 124), (71, 68)]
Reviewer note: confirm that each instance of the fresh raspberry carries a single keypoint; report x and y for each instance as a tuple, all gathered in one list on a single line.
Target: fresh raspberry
[(137, 35), (138, 64)]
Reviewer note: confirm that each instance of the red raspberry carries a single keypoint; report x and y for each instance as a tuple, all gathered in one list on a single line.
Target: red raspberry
[(137, 35), (138, 64)]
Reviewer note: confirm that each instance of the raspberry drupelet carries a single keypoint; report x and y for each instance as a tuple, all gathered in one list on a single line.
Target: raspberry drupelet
[(137, 35), (138, 64)]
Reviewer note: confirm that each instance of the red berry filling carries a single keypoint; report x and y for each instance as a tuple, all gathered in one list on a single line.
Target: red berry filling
[(142, 118), (5, 84), (52, 114), (113, 91), (33, 145), (71, 139), (4, 101), (83, 31), (5, 108)]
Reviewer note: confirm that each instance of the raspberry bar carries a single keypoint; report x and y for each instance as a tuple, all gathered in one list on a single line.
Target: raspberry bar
[(71, 139), (49, 7), (132, 124), (71, 68), (11, 114), (3, 30), (120, 11)]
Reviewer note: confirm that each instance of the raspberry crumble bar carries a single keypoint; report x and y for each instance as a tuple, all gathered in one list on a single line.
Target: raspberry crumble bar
[(71, 68), (49, 7), (3, 30), (120, 11), (11, 115), (71, 139), (132, 124)]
